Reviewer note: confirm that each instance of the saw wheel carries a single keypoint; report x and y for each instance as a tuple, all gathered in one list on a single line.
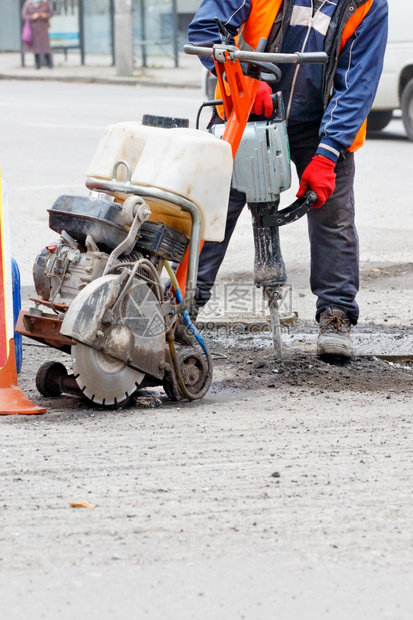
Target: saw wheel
[(103, 379), (195, 376)]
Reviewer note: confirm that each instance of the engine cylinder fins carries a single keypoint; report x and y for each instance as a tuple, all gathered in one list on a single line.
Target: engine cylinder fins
[(103, 379)]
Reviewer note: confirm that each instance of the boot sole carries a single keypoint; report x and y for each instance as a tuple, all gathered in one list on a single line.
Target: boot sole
[(334, 348)]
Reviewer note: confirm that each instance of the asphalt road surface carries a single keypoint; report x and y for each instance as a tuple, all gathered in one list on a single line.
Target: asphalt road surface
[(285, 493)]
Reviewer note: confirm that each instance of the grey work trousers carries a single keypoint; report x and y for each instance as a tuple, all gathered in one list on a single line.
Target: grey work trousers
[(334, 271)]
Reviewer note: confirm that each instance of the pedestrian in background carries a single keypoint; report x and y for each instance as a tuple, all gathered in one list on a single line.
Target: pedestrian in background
[(38, 13)]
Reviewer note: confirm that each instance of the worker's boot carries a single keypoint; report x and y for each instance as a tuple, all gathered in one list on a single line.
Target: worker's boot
[(334, 334), (49, 62), (37, 61)]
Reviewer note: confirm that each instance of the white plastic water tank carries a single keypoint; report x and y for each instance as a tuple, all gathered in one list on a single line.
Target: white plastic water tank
[(187, 162)]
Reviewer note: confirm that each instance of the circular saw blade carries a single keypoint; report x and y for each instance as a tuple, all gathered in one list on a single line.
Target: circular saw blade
[(103, 379)]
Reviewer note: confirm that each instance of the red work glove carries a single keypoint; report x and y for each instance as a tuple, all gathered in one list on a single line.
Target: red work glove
[(263, 103), (320, 177)]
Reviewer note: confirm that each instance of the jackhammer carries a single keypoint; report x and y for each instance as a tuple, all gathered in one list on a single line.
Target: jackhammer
[(260, 149)]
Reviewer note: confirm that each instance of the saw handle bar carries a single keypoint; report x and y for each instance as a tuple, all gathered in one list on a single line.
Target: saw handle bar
[(220, 52)]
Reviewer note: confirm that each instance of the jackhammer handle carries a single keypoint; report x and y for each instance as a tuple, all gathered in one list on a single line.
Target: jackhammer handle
[(293, 212)]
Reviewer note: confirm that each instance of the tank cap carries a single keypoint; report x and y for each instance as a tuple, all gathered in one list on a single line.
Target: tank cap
[(164, 121)]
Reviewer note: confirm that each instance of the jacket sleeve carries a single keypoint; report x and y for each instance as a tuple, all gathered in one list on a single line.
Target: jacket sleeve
[(203, 30), (355, 84)]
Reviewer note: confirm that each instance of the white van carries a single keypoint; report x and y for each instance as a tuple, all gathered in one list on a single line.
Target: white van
[(396, 84)]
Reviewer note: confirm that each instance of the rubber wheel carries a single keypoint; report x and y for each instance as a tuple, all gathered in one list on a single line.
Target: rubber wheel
[(194, 371), (195, 376), (171, 387), (48, 378), (379, 119), (407, 109)]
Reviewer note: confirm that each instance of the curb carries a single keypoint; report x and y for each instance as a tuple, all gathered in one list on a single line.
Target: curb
[(101, 80)]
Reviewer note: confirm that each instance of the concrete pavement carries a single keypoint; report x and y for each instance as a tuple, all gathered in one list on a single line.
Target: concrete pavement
[(98, 69)]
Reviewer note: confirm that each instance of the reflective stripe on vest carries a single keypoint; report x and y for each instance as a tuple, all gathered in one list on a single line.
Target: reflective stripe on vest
[(303, 15)]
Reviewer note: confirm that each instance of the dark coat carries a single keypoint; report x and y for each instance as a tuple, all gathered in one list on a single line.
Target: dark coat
[(40, 26)]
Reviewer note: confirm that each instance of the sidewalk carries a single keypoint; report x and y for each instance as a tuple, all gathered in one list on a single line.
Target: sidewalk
[(98, 69)]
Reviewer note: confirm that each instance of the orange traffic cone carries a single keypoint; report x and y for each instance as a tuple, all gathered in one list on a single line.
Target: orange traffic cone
[(12, 399)]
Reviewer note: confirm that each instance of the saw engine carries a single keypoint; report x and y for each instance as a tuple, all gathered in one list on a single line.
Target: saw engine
[(90, 229)]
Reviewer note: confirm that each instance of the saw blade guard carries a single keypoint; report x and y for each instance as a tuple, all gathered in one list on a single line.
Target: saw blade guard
[(122, 320)]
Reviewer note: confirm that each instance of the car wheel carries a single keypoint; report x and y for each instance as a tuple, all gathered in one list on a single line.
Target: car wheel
[(407, 108), (379, 119)]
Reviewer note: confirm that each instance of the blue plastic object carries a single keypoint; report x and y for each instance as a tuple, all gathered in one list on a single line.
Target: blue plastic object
[(17, 302), (189, 323)]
